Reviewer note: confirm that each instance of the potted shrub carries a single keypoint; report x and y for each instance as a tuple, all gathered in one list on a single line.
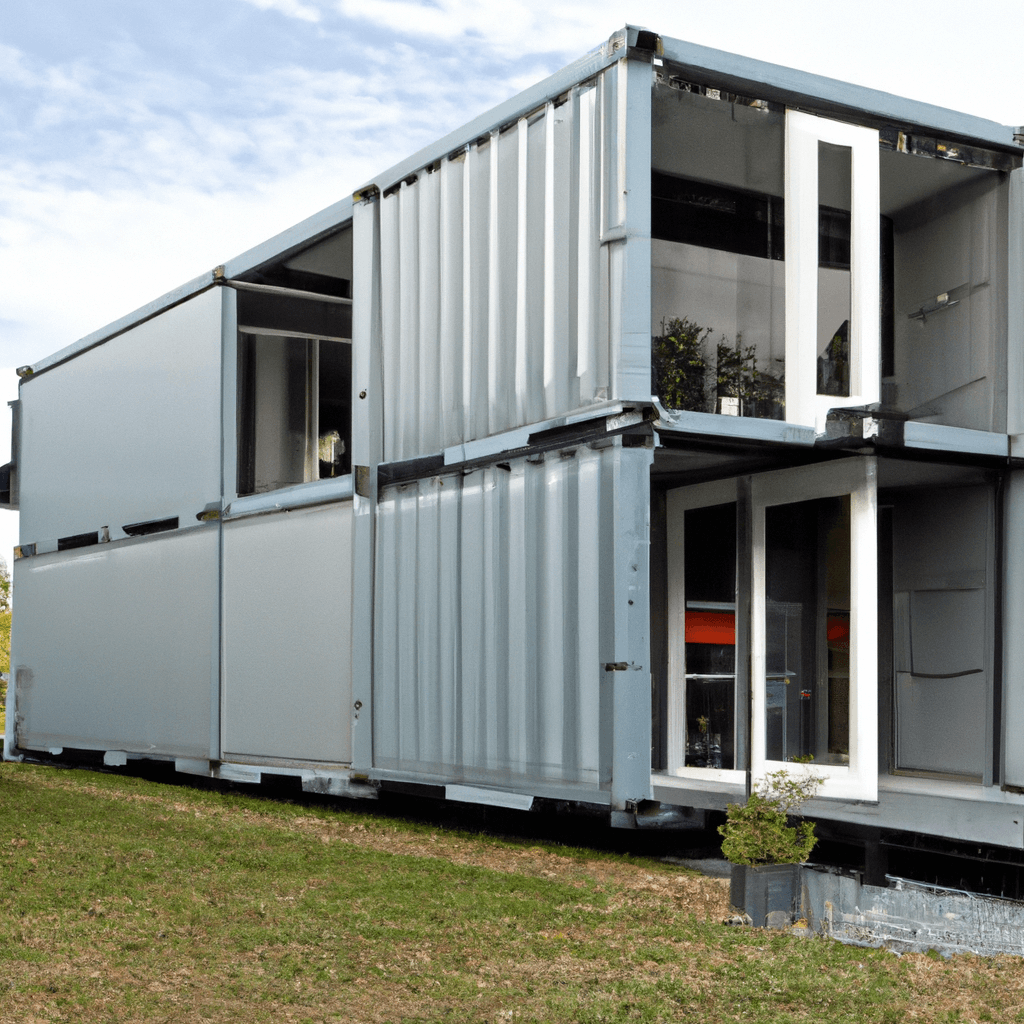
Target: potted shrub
[(764, 848)]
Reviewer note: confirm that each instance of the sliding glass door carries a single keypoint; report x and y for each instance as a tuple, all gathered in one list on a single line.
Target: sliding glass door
[(810, 586)]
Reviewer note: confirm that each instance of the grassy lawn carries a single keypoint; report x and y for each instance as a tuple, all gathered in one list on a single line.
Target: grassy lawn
[(126, 900)]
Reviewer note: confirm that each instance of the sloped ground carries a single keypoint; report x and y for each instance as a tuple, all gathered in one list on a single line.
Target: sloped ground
[(126, 900)]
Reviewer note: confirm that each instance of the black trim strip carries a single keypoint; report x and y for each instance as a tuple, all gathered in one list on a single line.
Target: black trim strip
[(945, 675), (150, 526), (77, 540), (544, 441)]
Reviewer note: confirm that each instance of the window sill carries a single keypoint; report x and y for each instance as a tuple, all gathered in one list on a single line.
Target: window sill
[(946, 787), (316, 492), (747, 428)]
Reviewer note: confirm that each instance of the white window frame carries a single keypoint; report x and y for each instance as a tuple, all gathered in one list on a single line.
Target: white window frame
[(856, 477), (803, 133), (679, 501)]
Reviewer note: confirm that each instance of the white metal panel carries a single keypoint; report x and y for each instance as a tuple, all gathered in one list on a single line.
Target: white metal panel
[(858, 780), (803, 133), (287, 685), (115, 646), (491, 592), (128, 431), (681, 500), (630, 260), (367, 431), (494, 306)]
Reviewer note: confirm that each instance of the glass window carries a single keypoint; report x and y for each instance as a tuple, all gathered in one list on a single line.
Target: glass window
[(807, 630), (294, 410), (810, 573), (833, 270), (710, 625), (814, 623), (718, 280)]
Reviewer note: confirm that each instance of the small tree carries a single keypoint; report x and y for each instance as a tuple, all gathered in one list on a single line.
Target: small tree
[(5, 620), (5, 586), (758, 832)]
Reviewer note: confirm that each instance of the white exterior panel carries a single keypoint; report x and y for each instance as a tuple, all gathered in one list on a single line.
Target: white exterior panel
[(115, 646), (287, 614), (144, 408)]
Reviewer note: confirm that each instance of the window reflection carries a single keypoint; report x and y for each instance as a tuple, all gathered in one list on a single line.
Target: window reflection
[(710, 590), (807, 622)]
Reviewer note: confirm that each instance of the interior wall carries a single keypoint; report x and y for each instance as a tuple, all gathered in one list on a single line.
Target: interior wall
[(282, 414), (943, 607), (331, 257), (741, 298), (717, 141), (950, 367)]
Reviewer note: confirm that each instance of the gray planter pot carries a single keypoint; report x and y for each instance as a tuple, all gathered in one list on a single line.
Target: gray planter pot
[(768, 889)]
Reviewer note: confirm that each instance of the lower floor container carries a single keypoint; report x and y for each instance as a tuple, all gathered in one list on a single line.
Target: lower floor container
[(618, 627)]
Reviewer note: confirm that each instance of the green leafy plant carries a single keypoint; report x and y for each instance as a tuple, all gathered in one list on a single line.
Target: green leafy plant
[(758, 832), (735, 371), (679, 365), (685, 376), (737, 376)]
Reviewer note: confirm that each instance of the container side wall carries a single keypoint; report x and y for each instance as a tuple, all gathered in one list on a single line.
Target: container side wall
[(287, 635), (127, 432), (492, 291), (489, 657), (97, 667)]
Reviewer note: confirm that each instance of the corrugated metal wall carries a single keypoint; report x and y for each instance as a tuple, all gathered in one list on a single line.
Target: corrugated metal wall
[(493, 620), (494, 283)]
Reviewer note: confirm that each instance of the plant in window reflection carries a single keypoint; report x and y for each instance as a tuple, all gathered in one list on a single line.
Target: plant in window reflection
[(679, 365), (761, 392), (758, 832), (684, 377)]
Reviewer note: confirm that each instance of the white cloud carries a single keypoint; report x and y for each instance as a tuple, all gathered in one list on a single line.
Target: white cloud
[(290, 8), (518, 27), (129, 169), (150, 192)]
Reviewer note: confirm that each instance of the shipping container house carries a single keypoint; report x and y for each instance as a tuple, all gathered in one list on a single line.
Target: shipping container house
[(656, 428)]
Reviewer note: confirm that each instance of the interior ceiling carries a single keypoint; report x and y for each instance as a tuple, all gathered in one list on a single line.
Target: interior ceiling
[(910, 473), (732, 136), (331, 257), (696, 460), (672, 461), (907, 179)]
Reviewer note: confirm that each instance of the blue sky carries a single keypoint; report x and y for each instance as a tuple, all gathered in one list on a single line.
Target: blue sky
[(143, 142)]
